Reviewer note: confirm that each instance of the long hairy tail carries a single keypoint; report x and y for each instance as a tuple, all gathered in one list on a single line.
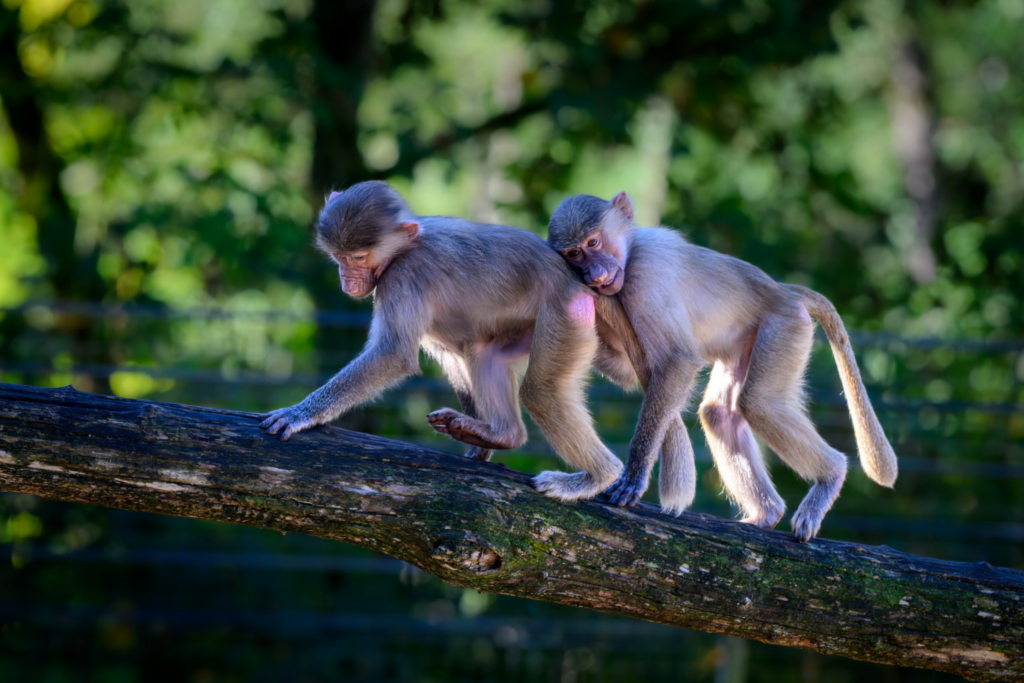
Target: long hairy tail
[(876, 454)]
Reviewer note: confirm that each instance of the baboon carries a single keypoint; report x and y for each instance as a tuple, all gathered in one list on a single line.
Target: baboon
[(690, 306), (480, 299)]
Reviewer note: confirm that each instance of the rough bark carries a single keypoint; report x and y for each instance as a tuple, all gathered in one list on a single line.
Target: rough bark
[(481, 525), (343, 34)]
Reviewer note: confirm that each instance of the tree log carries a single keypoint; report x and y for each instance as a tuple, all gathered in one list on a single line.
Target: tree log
[(482, 526)]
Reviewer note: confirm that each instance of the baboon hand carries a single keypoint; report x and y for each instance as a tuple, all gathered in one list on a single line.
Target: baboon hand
[(627, 490), (289, 421)]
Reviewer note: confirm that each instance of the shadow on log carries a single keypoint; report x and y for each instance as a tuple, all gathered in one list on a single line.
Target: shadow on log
[(480, 525)]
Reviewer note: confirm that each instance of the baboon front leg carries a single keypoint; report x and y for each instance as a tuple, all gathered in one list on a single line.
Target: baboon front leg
[(772, 401), (668, 390), (563, 347), (621, 359), (736, 454)]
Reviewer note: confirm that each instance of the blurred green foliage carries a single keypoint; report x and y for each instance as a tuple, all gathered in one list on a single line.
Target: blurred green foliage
[(180, 163), (161, 163)]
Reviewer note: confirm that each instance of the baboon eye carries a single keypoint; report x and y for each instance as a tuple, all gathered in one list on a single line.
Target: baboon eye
[(573, 253), (359, 257), (592, 243)]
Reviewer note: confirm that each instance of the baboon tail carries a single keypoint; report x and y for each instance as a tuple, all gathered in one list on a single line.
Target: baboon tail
[(876, 454)]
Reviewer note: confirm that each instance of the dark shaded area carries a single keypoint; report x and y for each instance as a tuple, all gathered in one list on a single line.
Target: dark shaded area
[(481, 527)]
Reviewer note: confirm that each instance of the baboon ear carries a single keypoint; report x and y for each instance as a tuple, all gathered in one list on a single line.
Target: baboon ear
[(412, 230), (333, 195), (622, 203)]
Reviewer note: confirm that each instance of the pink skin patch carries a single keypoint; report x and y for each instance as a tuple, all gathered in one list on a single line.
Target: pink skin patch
[(581, 310)]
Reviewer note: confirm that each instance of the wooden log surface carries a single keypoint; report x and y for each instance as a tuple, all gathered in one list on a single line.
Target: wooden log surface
[(481, 525)]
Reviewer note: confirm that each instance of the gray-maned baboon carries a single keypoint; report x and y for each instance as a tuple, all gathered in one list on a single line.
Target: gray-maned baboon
[(690, 306), (480, 299)]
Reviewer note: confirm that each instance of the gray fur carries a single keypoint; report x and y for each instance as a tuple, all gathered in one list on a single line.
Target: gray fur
[(574, 219), (351, 220)]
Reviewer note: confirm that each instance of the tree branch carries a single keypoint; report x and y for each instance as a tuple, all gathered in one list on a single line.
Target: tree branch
[(408, 160), (480, 525)]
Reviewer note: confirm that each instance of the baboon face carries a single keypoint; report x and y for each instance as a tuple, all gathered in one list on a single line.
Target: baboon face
[(362, 230), (588, 232)]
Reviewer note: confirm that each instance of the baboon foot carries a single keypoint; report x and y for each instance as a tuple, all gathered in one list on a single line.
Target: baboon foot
[(567, 487), (807, 519), (481, 454), (463, 428), (767, 518)]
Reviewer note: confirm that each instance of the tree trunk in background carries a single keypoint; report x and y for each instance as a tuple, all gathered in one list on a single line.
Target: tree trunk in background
[(913, 122), (344, 54), (481, 525), (71, 275)]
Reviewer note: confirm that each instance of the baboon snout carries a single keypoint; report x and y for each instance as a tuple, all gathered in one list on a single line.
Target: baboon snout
[(605, 280)]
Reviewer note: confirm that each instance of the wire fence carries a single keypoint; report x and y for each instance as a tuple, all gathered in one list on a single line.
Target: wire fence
[(361, 318), (986, 453), (961, 460)]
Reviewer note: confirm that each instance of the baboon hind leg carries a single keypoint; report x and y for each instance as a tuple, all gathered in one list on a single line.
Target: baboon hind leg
[(564, 344), (736, 454), (498, 423), (457, 371), (772, 400)]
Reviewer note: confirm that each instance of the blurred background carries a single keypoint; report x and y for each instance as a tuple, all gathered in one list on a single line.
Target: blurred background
[(161, 162)]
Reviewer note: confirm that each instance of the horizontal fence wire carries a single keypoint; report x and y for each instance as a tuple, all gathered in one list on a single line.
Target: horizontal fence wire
[(889, 406), (436, 385), (357, 318)]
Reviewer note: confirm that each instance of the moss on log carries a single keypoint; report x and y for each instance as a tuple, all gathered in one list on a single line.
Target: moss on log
[(480, 525)]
